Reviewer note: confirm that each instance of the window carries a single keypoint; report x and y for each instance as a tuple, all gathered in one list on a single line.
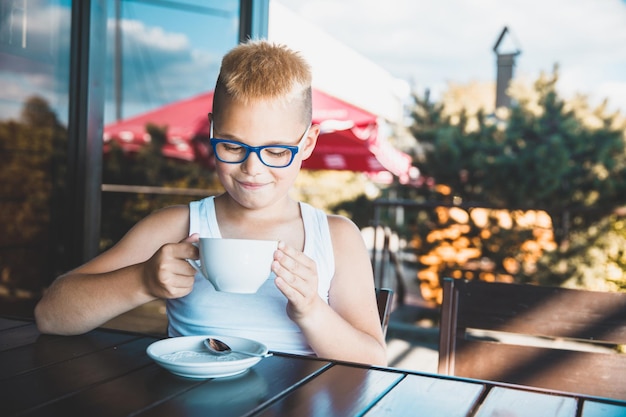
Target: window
[(161, 53), (34, 79), (49, 190)]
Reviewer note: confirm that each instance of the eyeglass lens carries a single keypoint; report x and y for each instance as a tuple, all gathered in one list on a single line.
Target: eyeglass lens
[(235, 153)]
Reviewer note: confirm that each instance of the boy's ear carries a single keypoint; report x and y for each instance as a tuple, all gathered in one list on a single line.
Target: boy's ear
[(310, 142)]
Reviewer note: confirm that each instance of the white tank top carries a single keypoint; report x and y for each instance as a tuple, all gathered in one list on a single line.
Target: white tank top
[(261, 316)]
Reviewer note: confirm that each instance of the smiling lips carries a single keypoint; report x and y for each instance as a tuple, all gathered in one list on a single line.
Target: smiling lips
[(251, 185)]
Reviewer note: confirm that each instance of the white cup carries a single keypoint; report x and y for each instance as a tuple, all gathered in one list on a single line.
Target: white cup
[(235, 265)]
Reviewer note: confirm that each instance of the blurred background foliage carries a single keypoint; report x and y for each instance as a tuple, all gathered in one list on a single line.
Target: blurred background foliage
[(32, 170), (148, 167), (534, 193), (542, 156)]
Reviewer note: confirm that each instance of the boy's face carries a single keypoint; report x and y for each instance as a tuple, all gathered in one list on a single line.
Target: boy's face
[(252, 183)]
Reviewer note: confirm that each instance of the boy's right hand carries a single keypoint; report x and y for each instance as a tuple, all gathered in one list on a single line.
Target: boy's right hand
[(167, 274)]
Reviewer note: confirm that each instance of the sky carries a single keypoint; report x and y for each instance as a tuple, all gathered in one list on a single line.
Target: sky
[(430, 43), (167, 54)]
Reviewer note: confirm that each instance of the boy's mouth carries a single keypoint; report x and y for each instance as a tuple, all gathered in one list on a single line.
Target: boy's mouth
[(251, 185)]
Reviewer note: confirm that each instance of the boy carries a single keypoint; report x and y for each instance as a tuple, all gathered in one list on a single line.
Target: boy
[(321, 300)]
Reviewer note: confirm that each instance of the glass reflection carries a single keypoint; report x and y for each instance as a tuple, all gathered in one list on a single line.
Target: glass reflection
[(167, 51), (158, 53), (34, 80)]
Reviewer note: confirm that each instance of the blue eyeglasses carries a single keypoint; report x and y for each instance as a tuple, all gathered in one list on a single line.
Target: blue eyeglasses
[(273, 156)]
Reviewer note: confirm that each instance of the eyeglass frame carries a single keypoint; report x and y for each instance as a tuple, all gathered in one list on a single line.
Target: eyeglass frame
[(257, 149)]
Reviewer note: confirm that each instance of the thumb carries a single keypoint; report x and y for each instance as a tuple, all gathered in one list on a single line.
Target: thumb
[(193, 238)]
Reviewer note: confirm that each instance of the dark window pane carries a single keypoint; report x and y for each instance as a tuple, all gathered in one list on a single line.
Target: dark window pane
[(34, 68)]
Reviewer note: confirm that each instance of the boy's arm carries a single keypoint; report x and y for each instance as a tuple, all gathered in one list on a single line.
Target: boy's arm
[(147, 263), (348, 328)]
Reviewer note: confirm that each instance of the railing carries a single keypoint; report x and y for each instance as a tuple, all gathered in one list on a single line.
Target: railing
[(144, 189)]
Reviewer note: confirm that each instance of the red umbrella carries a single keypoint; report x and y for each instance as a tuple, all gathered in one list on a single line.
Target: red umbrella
[(349, 138), (185, 120)]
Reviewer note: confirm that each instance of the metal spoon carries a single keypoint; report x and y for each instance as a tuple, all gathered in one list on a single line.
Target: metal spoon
[(217, 347)]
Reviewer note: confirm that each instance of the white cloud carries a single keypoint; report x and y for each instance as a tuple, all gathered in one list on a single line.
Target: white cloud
[(160, 66), (152, 36), (432, 42)]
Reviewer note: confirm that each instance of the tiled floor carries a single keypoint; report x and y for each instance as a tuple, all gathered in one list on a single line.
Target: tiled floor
[(413, 338)]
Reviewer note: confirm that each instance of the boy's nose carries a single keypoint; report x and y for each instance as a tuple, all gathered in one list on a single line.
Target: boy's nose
[(252, 165)]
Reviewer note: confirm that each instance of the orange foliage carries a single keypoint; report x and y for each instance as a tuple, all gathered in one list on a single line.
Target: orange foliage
[(458, 255)]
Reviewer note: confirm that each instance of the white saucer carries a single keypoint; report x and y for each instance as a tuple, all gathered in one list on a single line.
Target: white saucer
[(186, 356)]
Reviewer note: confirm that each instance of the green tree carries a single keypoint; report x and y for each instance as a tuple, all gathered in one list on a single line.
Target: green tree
[(33, 155), (542, 156)]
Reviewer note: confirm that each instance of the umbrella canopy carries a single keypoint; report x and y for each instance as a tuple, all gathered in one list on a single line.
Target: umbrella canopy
[(349, 138), (185, 120)]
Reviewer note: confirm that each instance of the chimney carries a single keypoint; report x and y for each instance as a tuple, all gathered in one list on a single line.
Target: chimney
[(506, 50)]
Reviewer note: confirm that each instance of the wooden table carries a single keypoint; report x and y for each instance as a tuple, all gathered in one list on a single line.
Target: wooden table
[(108, 373)]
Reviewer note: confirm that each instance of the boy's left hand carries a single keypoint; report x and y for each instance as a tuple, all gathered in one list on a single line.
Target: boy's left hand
[(296, 278)]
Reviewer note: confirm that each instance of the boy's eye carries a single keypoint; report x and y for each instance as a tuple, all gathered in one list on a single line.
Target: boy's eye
[(232, 147), (276, 152)]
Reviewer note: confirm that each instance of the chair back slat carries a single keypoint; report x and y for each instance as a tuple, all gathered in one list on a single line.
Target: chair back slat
[(548, 337), (384, 298), (543, 311)]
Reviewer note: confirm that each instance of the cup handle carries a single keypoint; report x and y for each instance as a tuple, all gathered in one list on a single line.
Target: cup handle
[(196, 265)]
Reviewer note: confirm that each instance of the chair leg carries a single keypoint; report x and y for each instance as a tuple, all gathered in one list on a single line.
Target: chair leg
[(447, 328)]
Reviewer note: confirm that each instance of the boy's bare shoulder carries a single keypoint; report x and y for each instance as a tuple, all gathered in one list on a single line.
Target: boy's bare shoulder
[(170, 213), (342, 225), (169, 224)]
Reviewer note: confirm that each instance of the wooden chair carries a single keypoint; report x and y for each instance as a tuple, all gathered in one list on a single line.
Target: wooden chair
[(384, 299), (549, 337)]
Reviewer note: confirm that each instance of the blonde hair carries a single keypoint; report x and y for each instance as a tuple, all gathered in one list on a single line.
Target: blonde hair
[(262, 70)]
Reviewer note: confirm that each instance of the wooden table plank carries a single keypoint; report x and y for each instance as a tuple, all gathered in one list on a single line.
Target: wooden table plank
[(120, 396), (66, 378), (18, 336), (108, 373), (429, 396), (339, 391), (502, 401), (598, 409), (239, 395), (47, 350)]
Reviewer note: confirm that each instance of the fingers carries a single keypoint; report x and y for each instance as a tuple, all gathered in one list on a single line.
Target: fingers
[(182, 251), (169, 274), (192, 238), (185, 249), (292, 260), (170, 284), (296, 273)]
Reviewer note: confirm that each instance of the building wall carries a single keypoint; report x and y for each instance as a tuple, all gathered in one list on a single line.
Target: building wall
[(339, 70)]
